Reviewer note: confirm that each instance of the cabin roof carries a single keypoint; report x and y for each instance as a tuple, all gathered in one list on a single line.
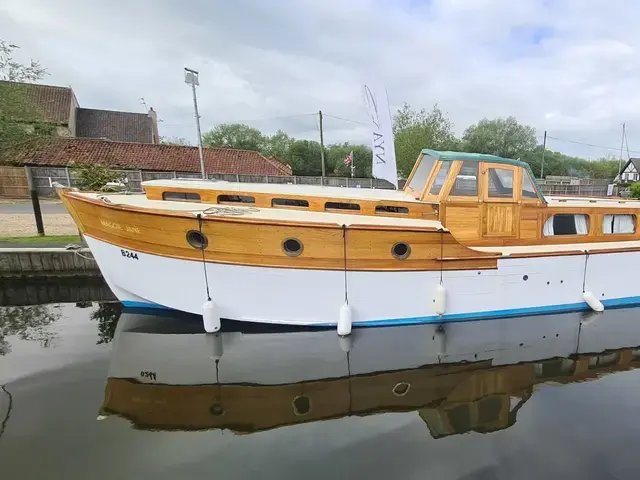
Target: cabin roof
[(483, 157)]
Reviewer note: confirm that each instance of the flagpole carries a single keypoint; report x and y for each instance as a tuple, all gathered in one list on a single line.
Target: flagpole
[(353, 165)]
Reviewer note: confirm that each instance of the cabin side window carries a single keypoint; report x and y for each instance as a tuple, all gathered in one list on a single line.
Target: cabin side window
[(419, 179), (438, 182), (500, 182), (289, 202), (466, 184), (392, 209), (612, 224), (181, 196), (528, 189), (341, 206), (236, 199), (566, 224)]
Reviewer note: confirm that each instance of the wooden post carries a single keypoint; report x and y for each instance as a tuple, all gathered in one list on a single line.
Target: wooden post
[(35, 201)]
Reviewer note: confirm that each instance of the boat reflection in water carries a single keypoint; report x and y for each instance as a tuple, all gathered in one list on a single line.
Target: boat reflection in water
[(473, 376)]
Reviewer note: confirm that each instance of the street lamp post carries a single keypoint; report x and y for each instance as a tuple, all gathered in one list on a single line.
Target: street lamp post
[(191, 78)]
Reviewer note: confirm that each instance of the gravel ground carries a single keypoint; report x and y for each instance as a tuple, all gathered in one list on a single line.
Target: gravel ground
[(24, 225)]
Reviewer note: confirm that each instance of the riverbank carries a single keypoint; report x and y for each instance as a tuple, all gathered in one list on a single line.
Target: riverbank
[(43, 262)]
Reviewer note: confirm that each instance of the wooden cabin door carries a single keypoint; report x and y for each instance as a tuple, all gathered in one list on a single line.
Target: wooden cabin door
[(500, 213)]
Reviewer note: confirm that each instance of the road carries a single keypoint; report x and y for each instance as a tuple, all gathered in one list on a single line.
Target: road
[(48, 207)]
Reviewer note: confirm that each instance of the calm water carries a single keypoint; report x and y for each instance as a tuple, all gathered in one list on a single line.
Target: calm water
[(92, 391)]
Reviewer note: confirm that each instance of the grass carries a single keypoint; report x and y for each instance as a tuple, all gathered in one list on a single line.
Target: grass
[(43, 239)]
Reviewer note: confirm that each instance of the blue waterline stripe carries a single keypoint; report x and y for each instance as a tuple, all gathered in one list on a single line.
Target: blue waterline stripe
[(457, 317)]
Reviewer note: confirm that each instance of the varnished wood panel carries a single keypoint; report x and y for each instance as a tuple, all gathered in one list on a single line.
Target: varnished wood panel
[(242, 241), (316, 203), (499, 220)]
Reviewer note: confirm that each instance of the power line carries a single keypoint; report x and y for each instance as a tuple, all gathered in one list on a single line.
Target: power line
[(345, 119), (589, 144)]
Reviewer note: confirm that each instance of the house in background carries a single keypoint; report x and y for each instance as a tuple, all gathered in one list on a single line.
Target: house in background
[(58, 107), (631, 171)]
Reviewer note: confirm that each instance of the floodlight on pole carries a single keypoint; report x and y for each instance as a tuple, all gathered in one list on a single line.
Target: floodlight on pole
[(191, 78)]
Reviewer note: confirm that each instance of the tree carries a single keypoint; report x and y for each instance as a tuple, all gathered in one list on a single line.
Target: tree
[(107, 314), (27, 323), (503, 137), (277, 145), (93, 176), (15, 72), (304, 157), (175, 141), (414, 130), (19, 120), (234, 135)]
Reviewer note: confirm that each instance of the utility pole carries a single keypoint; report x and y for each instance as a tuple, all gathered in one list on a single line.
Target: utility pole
[(544, 148), (624, 133), (191, 78), (321, 145)]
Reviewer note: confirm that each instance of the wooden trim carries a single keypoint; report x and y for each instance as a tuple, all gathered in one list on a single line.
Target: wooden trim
[(413, 172)]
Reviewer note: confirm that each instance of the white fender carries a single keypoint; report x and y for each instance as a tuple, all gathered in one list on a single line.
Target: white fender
[(595, 304), (440, 304), (440, 339), (217, 347), (210, 317), (344, 322), (346, 343)]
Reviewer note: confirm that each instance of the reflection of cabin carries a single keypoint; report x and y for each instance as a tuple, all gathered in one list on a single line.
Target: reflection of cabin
[(451, 399)]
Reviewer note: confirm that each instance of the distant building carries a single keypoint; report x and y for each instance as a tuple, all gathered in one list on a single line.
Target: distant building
[(630, 172), (60, 152), (58, 107)]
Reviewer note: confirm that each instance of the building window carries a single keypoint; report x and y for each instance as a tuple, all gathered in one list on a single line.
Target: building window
[(566, 224), (500, 183), (440, 178), (618, 224), (466, 184)]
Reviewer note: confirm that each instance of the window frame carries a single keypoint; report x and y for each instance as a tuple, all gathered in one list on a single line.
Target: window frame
[(454, 172), (516, 194)]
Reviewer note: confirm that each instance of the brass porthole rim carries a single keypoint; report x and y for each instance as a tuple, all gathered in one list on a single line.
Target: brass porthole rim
[(401, 257), (297, 412), (399, 384), (291, 253)]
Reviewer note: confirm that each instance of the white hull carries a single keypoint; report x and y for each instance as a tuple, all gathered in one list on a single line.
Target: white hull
[(519, 286)]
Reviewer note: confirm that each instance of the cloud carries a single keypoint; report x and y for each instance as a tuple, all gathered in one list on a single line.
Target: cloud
[(567, 67)]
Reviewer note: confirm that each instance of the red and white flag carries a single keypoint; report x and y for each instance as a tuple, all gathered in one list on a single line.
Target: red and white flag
[(349, 159)]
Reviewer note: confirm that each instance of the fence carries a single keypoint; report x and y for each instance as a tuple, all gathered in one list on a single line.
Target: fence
[(13, 182), (45, 177), (575, 190)]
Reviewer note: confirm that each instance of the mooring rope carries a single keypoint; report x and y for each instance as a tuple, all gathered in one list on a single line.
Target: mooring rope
[(204, 264)]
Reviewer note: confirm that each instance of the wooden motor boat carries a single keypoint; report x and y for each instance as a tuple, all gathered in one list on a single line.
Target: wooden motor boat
[(470, 237)]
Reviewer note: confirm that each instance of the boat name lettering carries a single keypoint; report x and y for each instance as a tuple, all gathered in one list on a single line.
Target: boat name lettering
[(128, 254), (117, 226)]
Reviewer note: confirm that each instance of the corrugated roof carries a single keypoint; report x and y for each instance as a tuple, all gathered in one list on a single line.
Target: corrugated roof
[(113, 125), (54, 151), (52, 103)]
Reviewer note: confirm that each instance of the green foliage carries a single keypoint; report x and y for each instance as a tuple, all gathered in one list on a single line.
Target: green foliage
[(107, 315), (19, 120), (175, 141), (337, 153), (414, 130), (93, 176), (234, 135), (27, 323), (504, 137), (556, 163), (304, 157), (635, 190), (277, 145)]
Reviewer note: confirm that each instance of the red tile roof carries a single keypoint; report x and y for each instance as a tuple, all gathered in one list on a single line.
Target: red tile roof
[(54, 104), (56, 151)]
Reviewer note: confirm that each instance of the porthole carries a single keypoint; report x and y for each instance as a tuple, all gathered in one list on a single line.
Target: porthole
[(292, 247), (197, 239), (401, 250), (525, 277), (401, 389), (216, 410), (301, 405)]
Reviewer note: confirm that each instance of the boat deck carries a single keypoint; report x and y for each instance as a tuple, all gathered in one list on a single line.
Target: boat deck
[(573, 202)]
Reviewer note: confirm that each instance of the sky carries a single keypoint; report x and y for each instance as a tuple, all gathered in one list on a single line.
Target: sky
[(570, 67)]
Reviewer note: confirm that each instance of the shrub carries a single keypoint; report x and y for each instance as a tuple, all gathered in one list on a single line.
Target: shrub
[(94, 176), (635, 190)]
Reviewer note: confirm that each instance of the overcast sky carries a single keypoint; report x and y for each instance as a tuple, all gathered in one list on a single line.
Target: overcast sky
[(571, 67)]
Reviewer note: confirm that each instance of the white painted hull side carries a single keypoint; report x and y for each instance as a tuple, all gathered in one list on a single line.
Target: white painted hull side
[(519, 286)]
